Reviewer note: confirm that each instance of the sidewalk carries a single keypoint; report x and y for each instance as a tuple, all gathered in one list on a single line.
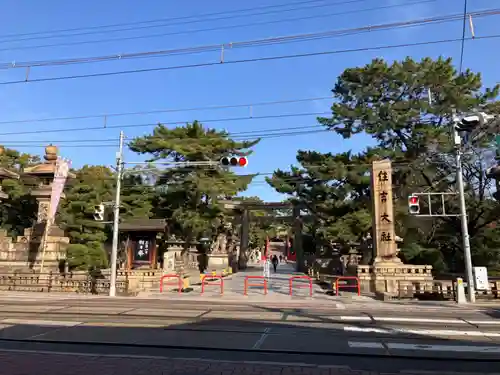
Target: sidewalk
[(278, 290)]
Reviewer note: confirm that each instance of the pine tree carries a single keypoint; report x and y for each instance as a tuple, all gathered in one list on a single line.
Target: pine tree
[(92, 186), (190, 199), (19, 210)]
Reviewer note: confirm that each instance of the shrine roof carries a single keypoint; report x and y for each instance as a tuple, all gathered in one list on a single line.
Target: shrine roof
[(5, 173), (143, 225)]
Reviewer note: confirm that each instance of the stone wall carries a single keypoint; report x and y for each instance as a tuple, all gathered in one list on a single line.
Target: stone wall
[(25, 251), (392, 277)]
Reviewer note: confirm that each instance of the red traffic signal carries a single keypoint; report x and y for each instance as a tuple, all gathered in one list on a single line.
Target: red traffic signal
[(234, 161), (413, 205), (242, 161)]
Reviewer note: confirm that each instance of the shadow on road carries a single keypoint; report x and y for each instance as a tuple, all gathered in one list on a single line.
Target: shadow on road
[(262, 334)]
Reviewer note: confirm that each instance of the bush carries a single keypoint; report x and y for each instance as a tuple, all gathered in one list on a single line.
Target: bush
[(82, 257)]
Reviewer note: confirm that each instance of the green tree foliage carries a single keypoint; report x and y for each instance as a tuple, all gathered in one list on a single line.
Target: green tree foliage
[(137, 196), (390, 103), (86, 258), (335, 190), (92, 186), (18, 211), (191, 198)]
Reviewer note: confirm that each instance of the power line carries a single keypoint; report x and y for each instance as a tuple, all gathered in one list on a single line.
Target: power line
[(168, 110), (245, 44), (462, 44), (249, 60), (95, 41), (290, 179), (97, 140), (122, 126), (168, 22), (240, 138), (162, 19)]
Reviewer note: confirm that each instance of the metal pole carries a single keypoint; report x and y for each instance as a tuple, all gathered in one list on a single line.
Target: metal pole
[(116, 217), (463, 217)]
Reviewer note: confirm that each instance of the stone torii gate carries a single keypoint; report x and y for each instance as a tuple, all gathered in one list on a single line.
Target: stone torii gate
[(244, 208)]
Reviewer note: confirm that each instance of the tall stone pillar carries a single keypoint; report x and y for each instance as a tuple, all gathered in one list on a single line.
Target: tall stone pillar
[(297, 238), (388, 274), (56, 242), (384, 236), (244, 238)]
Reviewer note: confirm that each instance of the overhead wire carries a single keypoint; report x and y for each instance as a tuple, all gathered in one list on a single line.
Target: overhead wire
[(241, 138), (183, 122), (181, 32), (288, 3), (247, 60), (462, 44), (168, 110), (168, 22), (115, 140), (248, 43)]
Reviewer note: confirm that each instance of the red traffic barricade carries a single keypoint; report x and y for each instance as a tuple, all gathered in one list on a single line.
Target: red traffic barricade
[(171, 276), (220, 282), (309, 285), (247, 284), (347, 286)]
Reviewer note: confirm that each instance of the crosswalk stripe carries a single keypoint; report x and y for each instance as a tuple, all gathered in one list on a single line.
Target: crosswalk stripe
[(41, 322), (436, 348), (417, 320), (444, 348), (426, 332)]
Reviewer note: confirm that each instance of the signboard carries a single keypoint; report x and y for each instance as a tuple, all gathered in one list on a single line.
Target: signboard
[(384, 234), (267, 269), (481, 278)]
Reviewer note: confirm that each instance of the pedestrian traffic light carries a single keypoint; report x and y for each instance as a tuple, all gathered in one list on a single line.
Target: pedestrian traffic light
[(234, 161), (413, 205), (99, 212)]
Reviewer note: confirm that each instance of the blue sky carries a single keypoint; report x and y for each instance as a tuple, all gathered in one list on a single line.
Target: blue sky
[(209, 86)]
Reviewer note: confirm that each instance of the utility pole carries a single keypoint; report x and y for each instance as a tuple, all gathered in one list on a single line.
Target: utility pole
[(463, 210), (116, 217)]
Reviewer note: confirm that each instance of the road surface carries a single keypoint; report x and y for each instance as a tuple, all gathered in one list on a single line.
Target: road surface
[(41, 334)]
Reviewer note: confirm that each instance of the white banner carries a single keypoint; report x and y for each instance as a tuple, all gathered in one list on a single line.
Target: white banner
[(60, 177)]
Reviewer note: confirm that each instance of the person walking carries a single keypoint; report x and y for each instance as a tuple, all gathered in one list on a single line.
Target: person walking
[(274, 261)]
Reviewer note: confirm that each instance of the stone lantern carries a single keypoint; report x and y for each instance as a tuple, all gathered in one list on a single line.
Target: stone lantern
[(56, 242), (44, 174)]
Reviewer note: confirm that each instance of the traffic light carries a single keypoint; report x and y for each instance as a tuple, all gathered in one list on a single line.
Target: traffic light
[(234, 161), (99, 212), (413, 205), (469, 123)]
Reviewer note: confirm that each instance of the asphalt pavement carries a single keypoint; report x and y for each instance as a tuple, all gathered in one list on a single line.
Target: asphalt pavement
[(308, 338), (270, 334)]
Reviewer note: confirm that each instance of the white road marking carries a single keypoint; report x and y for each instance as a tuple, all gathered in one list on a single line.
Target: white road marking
[(417, 320), (364, 344), (261, 339), (426, 332), (437, 348), (41, 322), (445, 348), (495, 322)]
